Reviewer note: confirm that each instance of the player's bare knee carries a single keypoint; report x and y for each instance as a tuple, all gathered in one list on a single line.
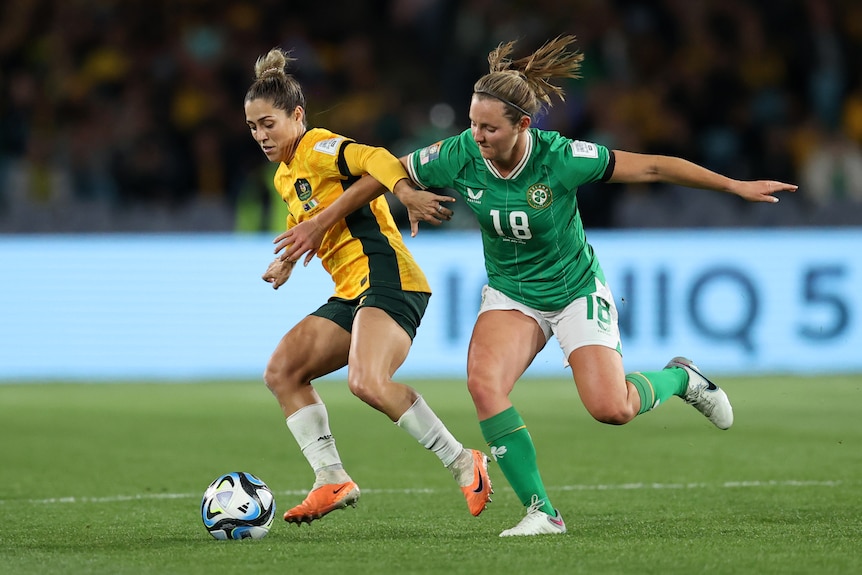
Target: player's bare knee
[(279, 377), (271, 378), (367, 388), (611, 414), (482, 393)]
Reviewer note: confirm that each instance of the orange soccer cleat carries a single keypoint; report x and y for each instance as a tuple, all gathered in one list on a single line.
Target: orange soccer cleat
[(322, 500), (478, 493)]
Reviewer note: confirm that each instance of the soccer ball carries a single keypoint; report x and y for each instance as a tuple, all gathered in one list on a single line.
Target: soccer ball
[(238, 505)]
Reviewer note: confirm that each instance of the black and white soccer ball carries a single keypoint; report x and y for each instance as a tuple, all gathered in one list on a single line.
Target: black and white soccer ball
[(238, 505)]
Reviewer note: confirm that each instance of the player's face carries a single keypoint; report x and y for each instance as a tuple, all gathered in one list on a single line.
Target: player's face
[(276, 131), (492, 130)]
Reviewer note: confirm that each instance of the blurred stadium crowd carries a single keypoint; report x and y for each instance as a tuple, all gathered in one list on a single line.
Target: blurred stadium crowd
[(126, 115)]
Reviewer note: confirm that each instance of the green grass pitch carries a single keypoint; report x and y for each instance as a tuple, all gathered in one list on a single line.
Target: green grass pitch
[(107, 478)]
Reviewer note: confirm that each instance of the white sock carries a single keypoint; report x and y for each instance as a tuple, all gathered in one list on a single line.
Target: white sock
[(424, 425), (310, 427)]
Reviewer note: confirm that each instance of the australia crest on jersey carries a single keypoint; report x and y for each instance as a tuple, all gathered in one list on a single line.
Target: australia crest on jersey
[(303, 192), (303, 189), (539, 196)]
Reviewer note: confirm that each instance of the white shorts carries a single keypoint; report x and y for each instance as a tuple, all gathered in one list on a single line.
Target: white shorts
[(590, 320)]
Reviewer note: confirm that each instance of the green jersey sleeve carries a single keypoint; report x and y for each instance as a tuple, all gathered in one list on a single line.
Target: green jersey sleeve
[(438, 165), (576, 162)]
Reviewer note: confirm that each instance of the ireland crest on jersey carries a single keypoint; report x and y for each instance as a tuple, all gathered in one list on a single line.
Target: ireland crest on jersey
[(539, 196)]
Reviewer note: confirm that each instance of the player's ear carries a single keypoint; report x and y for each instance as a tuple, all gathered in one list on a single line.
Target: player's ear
[(524, 123)]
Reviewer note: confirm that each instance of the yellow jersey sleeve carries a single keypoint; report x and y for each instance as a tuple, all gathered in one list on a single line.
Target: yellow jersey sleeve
[(379, 162)]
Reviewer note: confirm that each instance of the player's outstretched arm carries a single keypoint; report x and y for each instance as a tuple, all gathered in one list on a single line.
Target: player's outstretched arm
[(632, 168)]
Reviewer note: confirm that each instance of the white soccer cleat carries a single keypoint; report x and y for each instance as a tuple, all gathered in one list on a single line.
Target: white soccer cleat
[(705, 396), (537, 522)]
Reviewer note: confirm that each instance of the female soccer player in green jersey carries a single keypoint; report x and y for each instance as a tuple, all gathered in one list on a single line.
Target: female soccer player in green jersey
[(543, 277)]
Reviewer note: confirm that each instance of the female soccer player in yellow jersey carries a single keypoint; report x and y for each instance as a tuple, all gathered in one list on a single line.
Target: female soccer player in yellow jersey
[(380, 297), (543, 276)]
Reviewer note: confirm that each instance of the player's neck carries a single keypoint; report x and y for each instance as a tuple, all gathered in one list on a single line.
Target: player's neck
[(506, 165), (291, 151)]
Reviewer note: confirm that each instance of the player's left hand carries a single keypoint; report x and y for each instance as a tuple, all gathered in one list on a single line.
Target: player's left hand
[(762, 190), (303, 238)]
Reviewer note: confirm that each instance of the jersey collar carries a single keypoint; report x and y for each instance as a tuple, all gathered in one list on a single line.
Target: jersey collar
[(528, 151)]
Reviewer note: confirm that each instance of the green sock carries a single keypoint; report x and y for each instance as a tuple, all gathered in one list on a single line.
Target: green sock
[(513, 449), (656, 387)]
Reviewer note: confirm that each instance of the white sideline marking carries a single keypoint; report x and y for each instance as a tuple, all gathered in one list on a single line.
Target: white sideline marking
[(726, 484), (618, 487)]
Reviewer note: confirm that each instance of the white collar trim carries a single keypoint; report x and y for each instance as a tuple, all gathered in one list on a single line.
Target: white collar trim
[(528, 151)]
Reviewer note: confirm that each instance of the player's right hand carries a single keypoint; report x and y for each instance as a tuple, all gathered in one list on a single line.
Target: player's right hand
[(278, 272), (424, 206), (303, 238)]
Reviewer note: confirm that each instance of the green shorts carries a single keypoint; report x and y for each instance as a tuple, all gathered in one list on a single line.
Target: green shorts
[(405, 307)]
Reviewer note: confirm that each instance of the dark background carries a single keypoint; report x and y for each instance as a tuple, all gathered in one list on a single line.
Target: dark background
[(127, 116)]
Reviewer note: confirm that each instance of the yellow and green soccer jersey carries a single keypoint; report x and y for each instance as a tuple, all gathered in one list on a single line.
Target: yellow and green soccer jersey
[(536, 251), (364, 249)]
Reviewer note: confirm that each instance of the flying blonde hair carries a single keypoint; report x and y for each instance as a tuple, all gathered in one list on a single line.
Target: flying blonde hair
[(524, 85)]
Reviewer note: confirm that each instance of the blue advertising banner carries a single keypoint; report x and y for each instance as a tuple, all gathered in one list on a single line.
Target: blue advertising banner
[(120, 307)]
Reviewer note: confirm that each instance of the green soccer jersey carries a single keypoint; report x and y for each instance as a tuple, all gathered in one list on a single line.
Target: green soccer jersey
[(536, 251)]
